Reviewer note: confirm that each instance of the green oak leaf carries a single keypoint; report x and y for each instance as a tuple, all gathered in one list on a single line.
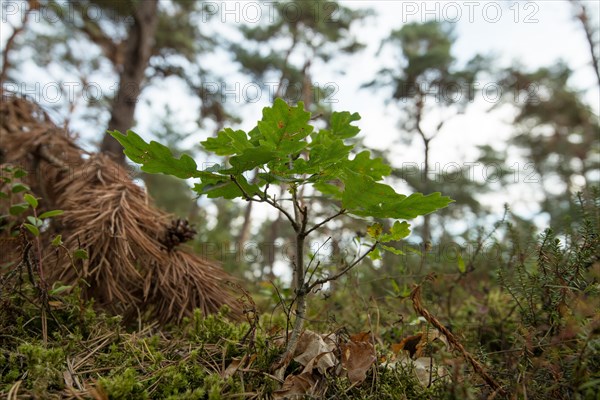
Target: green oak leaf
[(341, 127), (364, 197), (251, 158), (228, 142), (392, 250), (399, 231), (327, 150), (155, 157), (284, 127), (375, 254), (225, 187), (375, 230), (373, 167)]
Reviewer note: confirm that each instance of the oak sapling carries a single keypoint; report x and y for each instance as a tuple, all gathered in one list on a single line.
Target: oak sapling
[(289, 153)]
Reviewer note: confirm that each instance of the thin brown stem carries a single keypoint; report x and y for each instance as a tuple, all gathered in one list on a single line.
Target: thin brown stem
[(301, 292), (343, 271), (583, 17), (264, 199), (415, 296), (300, 289), (326, 220), (38, 252)]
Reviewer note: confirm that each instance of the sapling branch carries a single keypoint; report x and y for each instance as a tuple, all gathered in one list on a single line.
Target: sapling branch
[(318, 262), (286, 310), (343, 271), (300, 289), (313, 271), (312, 258), (326, 220), (245, 194), (263, 199)]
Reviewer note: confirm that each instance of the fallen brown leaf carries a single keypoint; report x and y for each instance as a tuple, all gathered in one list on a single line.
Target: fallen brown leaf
[(361, 337), (297, 386), (357, 358), (313, 346), (232, 367), (415, 345)]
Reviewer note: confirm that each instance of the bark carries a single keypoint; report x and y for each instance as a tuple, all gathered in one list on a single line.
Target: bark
[(138, 49), (272, 238), (300, 300), (244, 234), (307, 86)]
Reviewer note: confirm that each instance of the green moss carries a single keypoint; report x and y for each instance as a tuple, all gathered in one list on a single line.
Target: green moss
[(124, 385), (40, 368), (214, 328)]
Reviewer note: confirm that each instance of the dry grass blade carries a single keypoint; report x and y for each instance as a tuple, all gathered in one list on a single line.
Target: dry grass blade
[(14, 390)]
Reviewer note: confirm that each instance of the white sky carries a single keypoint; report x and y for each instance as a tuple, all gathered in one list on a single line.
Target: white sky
[(534, 34)]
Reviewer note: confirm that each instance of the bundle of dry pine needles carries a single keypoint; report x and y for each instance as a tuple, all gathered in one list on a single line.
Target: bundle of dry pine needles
[(130, 269)]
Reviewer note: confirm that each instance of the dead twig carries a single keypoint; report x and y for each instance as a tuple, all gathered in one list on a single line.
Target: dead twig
[(415, 296)]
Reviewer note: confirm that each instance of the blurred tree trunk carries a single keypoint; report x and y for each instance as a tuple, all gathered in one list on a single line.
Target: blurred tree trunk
[(138, 49), (425, 186), (244, 234)]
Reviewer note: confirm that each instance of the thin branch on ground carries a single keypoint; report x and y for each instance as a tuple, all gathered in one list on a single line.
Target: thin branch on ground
[(415, 296)]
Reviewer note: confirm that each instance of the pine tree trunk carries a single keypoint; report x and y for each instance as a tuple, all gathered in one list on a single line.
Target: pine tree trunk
[(244, 234), (139, 44), (272, 254)]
